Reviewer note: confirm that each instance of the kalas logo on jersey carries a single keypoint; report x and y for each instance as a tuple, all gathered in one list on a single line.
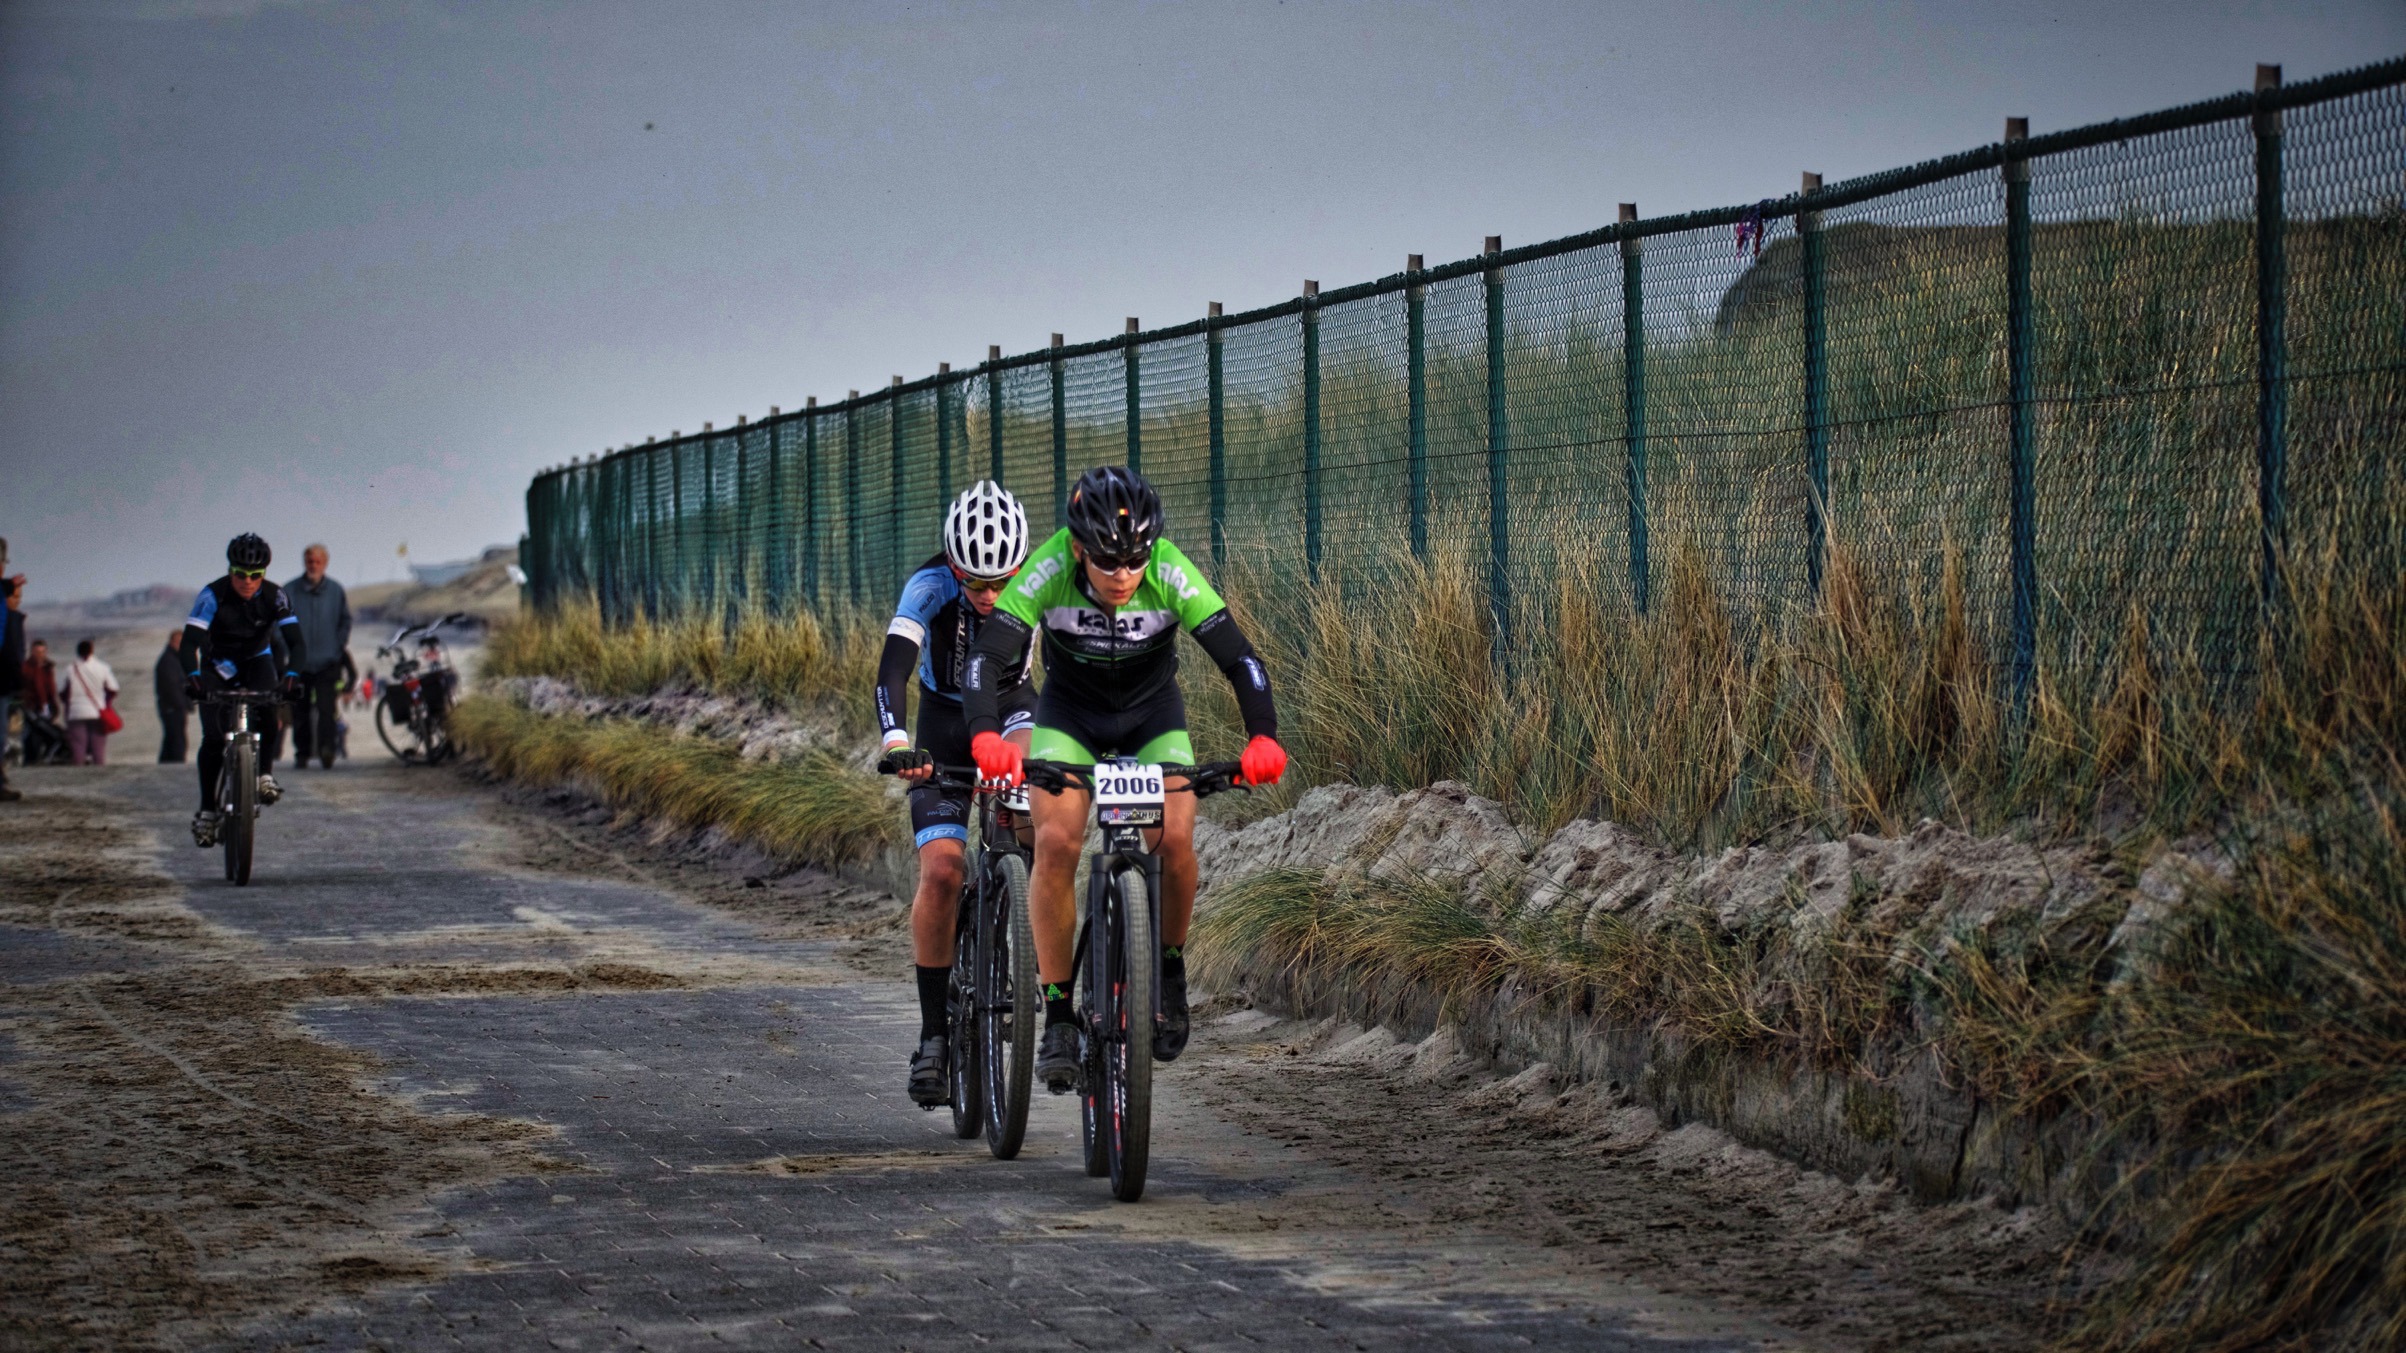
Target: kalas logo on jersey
[(1033, 580), (1175, 575)]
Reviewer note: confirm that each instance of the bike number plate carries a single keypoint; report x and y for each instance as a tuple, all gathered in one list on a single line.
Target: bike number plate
[(1128, 793)]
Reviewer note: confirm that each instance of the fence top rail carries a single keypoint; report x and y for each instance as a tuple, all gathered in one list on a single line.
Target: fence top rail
[(2245, 103)]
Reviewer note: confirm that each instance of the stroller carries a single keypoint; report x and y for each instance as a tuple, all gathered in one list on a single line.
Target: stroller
[(44, 742)]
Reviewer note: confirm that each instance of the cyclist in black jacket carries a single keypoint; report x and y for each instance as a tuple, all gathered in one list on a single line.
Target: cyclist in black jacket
[(241, 634)]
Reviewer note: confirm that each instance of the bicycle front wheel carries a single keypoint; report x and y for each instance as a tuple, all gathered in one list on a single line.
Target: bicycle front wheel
[(1128, 1047), (239, 809), (1010, 1003), (964, 1084)]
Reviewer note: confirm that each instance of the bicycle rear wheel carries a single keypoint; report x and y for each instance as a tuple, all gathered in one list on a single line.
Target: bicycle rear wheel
[(396, 737), (240, 809), (1009, 1003), (965, 1084), (1128, 1046)]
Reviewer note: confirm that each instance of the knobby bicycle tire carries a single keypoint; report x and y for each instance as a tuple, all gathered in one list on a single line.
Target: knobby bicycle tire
[(1128, 1058), (1010, 1004), (241, 811), (963, 1082)]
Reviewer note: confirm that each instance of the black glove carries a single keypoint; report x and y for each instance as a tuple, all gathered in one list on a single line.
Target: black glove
[(904, 758), (192, 687), (290, 685)]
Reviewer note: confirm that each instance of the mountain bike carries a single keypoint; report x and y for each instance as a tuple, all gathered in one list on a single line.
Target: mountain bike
[(413, 712), (993, 1050), (237, 794), (1118, 956)]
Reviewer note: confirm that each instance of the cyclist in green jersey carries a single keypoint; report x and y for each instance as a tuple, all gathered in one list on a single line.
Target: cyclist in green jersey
[(1110, 596)]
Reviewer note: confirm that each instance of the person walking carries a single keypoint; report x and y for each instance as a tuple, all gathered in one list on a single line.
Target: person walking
[(324, 612), (91, 698), (12, 659), (174, 702)]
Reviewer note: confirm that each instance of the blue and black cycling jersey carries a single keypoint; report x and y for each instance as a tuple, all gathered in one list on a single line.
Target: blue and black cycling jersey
[(226, 630), (933, 628)]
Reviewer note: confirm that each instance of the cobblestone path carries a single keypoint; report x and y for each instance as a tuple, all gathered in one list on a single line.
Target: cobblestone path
[(730, 1162)]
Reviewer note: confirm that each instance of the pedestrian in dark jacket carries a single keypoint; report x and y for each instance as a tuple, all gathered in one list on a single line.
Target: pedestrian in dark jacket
[(319, 603), (39, 693), (12, 659), (174, 702)]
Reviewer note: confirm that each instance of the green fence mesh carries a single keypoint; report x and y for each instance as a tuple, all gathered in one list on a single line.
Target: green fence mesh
[(2121, 370)]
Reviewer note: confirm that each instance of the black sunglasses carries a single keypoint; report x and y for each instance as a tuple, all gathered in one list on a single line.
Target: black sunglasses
[(1128, 563)]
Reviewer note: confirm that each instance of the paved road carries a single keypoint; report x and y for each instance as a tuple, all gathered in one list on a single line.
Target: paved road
[(746, 1172)]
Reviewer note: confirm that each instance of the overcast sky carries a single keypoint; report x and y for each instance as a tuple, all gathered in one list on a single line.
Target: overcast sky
[(353, 272)]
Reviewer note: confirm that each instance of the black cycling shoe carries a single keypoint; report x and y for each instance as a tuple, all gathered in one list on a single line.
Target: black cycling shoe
[(1170, 1039), (931, 1079), (1058, 1061)]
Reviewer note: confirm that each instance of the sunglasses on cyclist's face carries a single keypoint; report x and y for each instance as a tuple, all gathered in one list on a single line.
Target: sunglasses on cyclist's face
[(1107, 563), (251, 573), (986, 586)]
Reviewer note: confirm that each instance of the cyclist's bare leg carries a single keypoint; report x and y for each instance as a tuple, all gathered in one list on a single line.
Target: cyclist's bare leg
[(935, 908), (1178, 870), (1052, 909)]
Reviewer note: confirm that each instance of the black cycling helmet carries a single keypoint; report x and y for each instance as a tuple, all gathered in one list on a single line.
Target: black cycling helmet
[(1113, 512), (247, 551)]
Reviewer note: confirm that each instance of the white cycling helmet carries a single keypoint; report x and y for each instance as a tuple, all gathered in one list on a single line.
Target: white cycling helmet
[(986, 532)]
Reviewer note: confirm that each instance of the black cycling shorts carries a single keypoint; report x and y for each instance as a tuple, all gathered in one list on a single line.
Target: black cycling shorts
[(1076, 733), (943, 814)]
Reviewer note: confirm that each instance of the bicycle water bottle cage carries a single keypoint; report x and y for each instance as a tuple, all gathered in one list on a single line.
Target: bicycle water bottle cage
[(1128, 793)]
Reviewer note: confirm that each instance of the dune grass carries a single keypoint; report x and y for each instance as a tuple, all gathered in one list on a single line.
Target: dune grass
[(797, 662), (815, 810)]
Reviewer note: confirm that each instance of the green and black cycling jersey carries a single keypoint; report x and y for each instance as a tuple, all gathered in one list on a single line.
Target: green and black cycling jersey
[(1105, 661)]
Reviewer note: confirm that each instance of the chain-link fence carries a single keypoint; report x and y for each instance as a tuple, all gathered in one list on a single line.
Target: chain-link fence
[(2135, 365)]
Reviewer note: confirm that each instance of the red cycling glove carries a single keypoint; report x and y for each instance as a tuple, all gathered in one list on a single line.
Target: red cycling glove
[(1264, 761), (998, 758)]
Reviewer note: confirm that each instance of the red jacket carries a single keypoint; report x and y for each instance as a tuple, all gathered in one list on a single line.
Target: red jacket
[(40, 692)]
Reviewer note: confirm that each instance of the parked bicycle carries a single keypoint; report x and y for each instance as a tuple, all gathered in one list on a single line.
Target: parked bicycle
[(1118, 955), (237, 793), (413, 710), (993, 961)]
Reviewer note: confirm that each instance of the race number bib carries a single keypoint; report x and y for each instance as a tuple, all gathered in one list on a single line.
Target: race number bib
[(1126, 784)]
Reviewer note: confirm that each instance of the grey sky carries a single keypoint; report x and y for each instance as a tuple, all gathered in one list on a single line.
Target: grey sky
[(353, 272)]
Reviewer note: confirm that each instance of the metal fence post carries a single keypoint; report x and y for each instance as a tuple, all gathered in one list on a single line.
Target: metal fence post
[(1816, 390), (943, 436), (1416, 402), (676, 520), (1136, 450), (1219, 440), (651, 533), (2021, 389), (852, 552), (1499, 503), (777, 564), (2272, 341), (994, 410), (810, 500), (1060, 440), (708, 526), (1633, 406), (894, 555), (1311, 429)]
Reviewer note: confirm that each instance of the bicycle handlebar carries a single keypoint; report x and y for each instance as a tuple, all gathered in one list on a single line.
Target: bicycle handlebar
[(1202, 781), (236, 695)]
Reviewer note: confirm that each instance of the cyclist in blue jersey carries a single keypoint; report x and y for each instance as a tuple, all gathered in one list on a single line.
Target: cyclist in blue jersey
[(934, 627), (241, 633)]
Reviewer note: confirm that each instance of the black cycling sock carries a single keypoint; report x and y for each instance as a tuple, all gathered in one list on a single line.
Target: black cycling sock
[(933, 997), (1056, 1005), (1173, 960)]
